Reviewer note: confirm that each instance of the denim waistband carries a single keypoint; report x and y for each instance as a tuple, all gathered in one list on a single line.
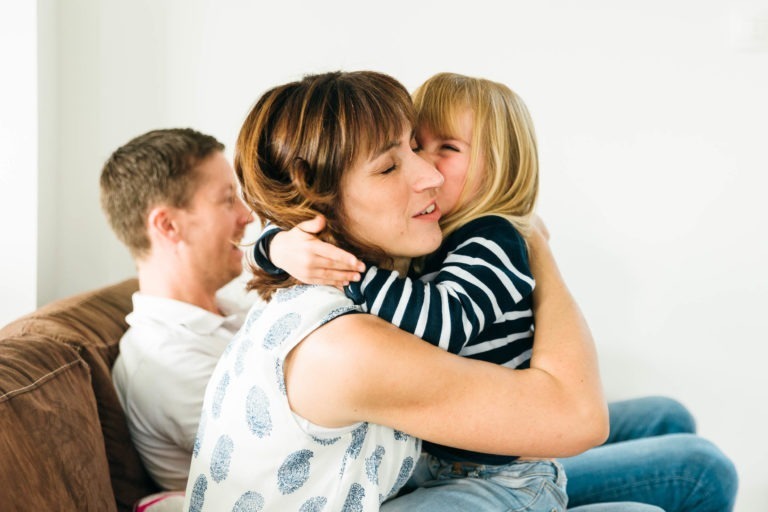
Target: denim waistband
[(521, 468)]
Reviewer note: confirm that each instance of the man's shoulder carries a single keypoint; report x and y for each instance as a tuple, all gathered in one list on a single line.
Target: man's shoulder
[(234, 298), (156, 362), (156, 310)]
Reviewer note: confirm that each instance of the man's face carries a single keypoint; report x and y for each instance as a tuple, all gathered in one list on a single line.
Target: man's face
[(213, 224)]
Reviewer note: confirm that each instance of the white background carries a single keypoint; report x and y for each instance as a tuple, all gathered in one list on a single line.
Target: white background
[(652, 119)]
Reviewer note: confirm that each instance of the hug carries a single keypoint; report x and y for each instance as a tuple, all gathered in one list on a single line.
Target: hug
[(416, 347)]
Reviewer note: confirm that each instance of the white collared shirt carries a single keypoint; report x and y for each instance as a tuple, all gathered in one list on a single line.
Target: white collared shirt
[(166, 358)]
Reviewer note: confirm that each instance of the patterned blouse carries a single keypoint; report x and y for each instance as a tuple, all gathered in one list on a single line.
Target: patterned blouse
[(252, 453)]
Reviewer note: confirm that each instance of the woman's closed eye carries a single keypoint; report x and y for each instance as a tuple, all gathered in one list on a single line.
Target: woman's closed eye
[(389, 169), (450, 147)]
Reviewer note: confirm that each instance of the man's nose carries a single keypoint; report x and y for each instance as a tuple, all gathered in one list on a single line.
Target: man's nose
[(245, 214)]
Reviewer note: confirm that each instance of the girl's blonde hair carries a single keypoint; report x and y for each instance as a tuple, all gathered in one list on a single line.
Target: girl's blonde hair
[(503, 137)]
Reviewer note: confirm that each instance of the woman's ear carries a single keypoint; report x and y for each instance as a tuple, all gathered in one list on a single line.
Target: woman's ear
[(163, 223)]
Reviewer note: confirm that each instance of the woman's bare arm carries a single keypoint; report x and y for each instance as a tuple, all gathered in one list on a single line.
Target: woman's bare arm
[(361, 368)]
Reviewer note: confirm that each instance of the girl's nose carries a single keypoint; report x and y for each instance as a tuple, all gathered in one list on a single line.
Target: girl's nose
[(429, 156)]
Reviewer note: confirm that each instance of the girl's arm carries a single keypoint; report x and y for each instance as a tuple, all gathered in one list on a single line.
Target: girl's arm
[(301, 254), (360, 368), (261, 249), (483, 276)]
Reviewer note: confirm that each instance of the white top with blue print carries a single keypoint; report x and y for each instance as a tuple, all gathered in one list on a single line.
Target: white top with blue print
[(253, 453)]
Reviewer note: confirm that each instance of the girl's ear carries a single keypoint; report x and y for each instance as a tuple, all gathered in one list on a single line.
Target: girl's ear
[(163, 223)]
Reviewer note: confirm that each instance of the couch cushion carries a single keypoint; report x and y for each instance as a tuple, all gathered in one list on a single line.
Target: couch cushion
[(94, 319), (50, 441), (92, 324)]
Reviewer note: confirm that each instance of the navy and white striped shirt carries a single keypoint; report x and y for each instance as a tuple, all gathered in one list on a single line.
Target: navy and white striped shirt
[(474, 298)]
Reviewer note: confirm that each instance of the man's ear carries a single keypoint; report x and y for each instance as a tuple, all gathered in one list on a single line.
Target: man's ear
[(164, 224)]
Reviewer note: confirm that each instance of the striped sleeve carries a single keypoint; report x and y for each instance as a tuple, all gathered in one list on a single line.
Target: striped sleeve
[(261, 250), (482, 276)]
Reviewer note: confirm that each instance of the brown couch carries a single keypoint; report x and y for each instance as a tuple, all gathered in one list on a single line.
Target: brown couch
[(64, 442)]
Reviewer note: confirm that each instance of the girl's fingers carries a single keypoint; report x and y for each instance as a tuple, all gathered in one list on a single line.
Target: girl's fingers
[(338, 259), (314, 225)]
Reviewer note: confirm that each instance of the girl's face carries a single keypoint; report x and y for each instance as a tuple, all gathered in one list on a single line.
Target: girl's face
[(451, 157), (390, 202)]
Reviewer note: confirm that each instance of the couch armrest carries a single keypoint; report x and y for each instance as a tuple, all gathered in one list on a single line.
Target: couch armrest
[(90, 325), (51, 446)]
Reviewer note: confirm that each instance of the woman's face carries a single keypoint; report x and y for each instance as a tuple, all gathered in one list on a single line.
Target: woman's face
[(450, 155), (390, 201)]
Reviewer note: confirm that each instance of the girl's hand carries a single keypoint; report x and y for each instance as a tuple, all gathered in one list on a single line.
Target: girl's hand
[(312, 261)]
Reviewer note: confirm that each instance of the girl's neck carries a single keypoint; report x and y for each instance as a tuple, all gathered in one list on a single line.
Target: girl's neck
[(401, 265)]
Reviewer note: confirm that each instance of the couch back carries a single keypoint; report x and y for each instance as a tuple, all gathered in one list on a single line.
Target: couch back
[(64, 441)]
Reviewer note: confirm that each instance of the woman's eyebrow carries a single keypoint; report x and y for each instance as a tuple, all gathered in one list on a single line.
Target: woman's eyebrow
[(386, 147)]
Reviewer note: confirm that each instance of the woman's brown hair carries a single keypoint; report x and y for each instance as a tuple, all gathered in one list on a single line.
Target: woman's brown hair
[(299, 140)]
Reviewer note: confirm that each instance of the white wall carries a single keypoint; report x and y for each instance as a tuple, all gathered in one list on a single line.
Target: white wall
[(18, 159), (652, 125)]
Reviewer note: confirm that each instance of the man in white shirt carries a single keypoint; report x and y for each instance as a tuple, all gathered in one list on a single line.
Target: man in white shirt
[(172, 198)]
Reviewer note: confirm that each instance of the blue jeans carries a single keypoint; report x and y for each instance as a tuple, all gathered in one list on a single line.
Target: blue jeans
[(519, 486), (530, 486), (652, 461), (653, 456)]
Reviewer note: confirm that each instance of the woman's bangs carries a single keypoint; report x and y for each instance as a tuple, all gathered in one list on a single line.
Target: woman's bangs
[(377, 122)]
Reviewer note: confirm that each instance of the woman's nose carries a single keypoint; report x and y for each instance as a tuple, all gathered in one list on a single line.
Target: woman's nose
[(427, 175)]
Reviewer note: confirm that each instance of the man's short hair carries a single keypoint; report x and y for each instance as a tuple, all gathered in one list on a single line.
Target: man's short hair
[(157, 168)]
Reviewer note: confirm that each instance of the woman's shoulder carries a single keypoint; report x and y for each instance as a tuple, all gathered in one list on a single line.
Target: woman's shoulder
[(312, 300), (293, 313), (354, 347)]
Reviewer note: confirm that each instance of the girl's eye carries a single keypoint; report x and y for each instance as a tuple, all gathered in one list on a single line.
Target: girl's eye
[(450, 147), (417, 148), (389, 169)]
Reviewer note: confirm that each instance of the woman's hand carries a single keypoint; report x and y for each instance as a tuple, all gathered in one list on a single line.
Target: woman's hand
[(312, 261)]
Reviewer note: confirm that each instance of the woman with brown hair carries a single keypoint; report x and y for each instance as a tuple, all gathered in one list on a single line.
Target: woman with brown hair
[(312, 407)]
